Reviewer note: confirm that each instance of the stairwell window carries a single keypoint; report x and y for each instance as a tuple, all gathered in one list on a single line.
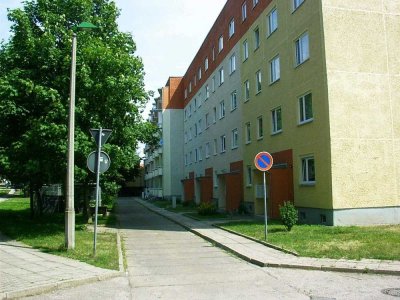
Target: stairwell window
[(260, 131), (235, 138), (207, 91), (308, 170), (249, 176), (245, 50), (246, 90), (276, 120), (207, 150), (258, 81), (223, 143), (256, 38), (231, 28), (244, 11), (302, 49), (305, 109), (221, 109), (233, 100), (221, 76), (248, 132), (220, 43), (232, 64), (206, 63), (255, 2)]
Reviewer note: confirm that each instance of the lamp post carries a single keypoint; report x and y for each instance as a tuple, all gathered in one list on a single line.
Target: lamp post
[(69, 199)]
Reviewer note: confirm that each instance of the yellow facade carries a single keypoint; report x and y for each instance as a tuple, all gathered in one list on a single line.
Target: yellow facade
[(353, 74)]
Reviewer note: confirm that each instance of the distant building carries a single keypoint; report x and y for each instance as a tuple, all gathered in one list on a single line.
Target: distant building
[(316, 84)]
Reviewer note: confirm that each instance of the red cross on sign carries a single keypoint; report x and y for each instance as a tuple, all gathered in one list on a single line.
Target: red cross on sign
[(263, 161)]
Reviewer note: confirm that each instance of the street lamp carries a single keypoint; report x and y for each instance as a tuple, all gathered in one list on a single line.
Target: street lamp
[(69, 205)]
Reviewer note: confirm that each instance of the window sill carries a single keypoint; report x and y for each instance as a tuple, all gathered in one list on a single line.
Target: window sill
[(271, 33), (259, 92), (276, 132), (295, 9), (246, 100), (233, 148), (260, 138), (256, 48), (249, 185), (301, 63), (222, 152), (233, 109), (245, 59), (231, 73), (275, 81), (305, 122), (308, 184), (248, 143)]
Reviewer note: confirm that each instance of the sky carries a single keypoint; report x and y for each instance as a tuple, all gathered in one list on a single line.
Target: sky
[(168, 33)]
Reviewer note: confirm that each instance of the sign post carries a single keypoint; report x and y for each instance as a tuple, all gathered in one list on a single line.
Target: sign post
[(263, 162), (100, 162)]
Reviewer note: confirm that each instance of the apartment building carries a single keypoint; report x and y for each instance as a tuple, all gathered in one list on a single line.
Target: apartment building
[(316, 84)]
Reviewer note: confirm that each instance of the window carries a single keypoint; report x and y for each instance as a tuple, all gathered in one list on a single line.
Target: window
[(190, 109), (302, 49), (200, 153), (196, 155), (195, 130), (245, 50), (195, 104), (260, 132), (231, 27), (220, 43), (256, 38), (276, 120), (221, 109), (206, 63), (249, 177), (272, 21), (199, 102), (223, 143), (246, 90), (190, 157), (235, 138), (186, 114), (186, 137), (221, 76), (190, 86), (308, 170), (215, 179), (258, 81), (186, 93), (199, 126), (207, 150), (215, 147), (275, 69), (195, 80), (207, 91), (213, 84), (305, 108), (207, 120), (248, 132), (255, 2), (233, 100), (199, 74), (297, 3), (214, 114), (244, 11), (186, 159), (232, 64), (213, 53), (190, 133)]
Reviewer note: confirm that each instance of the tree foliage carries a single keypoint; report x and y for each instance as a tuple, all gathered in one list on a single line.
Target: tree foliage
[(34, 91)]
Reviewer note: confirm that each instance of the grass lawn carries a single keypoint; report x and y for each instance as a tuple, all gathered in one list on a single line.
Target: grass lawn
[(355, 242), (215, 216), (4, 192), (47, 234)]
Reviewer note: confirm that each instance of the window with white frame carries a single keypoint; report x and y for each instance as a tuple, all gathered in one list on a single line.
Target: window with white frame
[(213, 84), (195, 129), (231, 27), (190, 133), (207, 120), (214, 114), (213, 53), (221, 109), (245, 50), (207, 149), (186, 114), (246, 90), (190, 157), (186, 159), (195, 80), (206, 63), (275, 71), (235, 138), (256, 38), (244, 11), (223, 143), (255, 2), (260, 130), (196, 155), (200, 153), (249, 176), (190, 109), (195, 104), (302, 49), (305, 108), (276, 120), (220, 43), (297, 3), (232, 64), (308, 170), (215, 147), (199, 101), (215, 179), (186, 93), (207, 91), (221, 75), (190, 86), (248, 132), (199, 126), (199, 74), (258, 81), (272, 21), (233, 100)]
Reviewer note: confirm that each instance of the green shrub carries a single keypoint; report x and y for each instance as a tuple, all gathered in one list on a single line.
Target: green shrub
[(289, 215), (206, 209)]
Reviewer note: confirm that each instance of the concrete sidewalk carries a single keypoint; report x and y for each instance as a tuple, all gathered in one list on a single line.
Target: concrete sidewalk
[(26, 271), (264, 256)]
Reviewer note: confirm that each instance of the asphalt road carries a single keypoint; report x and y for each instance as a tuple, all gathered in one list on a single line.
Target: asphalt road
[(167, 262)]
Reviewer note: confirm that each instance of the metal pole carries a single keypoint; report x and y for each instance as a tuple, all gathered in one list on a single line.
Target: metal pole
[(265, 206), (97, 191), (69, 206)]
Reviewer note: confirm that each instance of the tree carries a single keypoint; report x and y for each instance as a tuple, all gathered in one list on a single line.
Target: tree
[(34, 92)]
